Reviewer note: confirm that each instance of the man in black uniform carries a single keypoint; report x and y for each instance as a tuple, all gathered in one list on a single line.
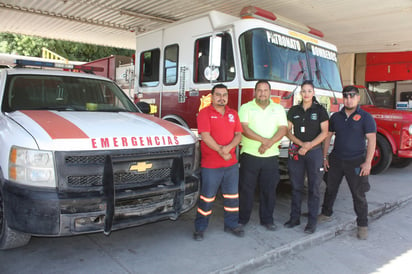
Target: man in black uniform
[(350, 157)]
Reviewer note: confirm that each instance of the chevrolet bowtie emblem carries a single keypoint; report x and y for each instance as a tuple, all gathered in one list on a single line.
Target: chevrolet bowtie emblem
[(140, 166)]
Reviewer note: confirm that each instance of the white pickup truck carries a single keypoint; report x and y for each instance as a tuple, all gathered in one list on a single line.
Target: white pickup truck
[(78, 156)]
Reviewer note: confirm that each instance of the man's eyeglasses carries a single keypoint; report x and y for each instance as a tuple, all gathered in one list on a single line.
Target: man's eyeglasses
[(349, 94)]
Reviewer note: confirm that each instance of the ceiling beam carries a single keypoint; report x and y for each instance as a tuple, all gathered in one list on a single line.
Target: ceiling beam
[(146, 16), (67, 17)]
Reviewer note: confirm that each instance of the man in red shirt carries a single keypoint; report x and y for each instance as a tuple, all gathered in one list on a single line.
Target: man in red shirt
[(220, 129)]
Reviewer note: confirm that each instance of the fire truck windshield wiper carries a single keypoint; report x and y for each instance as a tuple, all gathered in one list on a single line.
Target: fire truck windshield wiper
[(57, 108), (319, 75), (112, 109), (301, 72)]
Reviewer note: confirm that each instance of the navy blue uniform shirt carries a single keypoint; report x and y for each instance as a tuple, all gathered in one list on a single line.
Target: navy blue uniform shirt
[(350, 133)]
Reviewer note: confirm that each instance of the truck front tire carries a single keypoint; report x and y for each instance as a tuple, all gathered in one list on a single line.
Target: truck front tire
[(383, 155), (10, 238)]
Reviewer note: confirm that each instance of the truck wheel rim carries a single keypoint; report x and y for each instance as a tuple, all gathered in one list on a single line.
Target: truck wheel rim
[(376, 157)]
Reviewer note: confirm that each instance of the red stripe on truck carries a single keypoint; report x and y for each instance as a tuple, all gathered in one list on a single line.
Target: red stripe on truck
[(169, 126), (56, 126)]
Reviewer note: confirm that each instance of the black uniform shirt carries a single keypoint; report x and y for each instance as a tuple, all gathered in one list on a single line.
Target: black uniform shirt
[(306, 124)]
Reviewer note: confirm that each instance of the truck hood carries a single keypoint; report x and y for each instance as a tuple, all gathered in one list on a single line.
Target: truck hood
[(75, 130), (386, 114)]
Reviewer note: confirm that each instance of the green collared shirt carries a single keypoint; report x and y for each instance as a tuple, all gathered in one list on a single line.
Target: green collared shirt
[(264, 122)]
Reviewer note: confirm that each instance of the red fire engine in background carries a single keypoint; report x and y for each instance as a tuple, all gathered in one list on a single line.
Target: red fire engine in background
[(177, 65), (389, 100)]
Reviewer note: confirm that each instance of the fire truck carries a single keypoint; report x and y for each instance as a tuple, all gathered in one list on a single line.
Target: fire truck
[(117, 68), (177, 65), (394, 133), (388, 97), (77, 156)]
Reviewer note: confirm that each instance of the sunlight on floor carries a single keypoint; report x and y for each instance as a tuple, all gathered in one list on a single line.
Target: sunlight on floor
[(399, 265)]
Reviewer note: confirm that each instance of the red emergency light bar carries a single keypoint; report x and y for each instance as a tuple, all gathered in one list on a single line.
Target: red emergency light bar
[(255, 12), (22, 63)]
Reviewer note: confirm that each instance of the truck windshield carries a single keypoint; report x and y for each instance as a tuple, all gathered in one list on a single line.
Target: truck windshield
[(366, 97), (37, 92), (272, 56), (324, 68)]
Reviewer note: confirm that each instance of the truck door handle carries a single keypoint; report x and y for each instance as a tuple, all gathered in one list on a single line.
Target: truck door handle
[(193, 92)]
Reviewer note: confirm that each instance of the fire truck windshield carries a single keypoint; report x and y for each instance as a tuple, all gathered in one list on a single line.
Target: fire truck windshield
[(272, 56), (324, 68), (277, 57)]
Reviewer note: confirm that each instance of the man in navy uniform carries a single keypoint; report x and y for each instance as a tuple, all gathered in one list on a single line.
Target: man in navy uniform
[(351, 157)]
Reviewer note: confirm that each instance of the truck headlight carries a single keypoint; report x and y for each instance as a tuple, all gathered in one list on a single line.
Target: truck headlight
[(32, 167)]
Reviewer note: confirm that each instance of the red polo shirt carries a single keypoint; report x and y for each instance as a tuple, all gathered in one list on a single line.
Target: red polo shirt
[(222, 128)]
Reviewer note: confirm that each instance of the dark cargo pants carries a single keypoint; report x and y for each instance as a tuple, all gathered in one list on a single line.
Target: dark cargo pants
[(311, 165), (358, 186)]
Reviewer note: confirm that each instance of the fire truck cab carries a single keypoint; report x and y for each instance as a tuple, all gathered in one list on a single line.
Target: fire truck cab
[(177, 65)]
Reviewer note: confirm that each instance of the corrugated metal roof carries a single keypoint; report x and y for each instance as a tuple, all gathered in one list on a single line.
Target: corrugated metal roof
[(355, 26)]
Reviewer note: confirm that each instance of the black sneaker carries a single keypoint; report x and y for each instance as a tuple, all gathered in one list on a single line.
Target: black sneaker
[(237, 231), (292, 223), (198, 235), (310, 229)]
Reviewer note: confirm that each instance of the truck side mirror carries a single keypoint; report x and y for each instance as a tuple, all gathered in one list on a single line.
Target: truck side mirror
[(211, 72), (215, 50)]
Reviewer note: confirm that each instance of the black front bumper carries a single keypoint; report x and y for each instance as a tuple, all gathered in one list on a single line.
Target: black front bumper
[(109, 206), (48, 213)]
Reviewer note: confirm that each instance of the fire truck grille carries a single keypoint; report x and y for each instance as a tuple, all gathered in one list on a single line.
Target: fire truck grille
[(99, 159), (77, 181), (152, 175), (134, 169), (120, 178)]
